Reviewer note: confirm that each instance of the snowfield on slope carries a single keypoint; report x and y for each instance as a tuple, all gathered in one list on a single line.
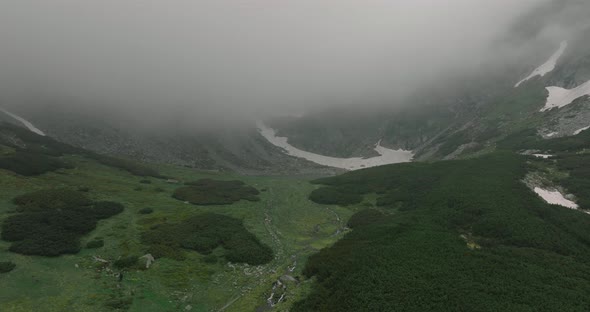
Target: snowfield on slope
[(544, 156), (25, 122), (555, 198), (548, 66), (560, 97), (387, 156), (581, 130)]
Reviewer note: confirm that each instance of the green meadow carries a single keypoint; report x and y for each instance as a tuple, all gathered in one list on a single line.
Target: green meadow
[(283, 219)]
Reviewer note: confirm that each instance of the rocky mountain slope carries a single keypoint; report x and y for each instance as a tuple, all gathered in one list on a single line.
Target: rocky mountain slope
[(539, 82)]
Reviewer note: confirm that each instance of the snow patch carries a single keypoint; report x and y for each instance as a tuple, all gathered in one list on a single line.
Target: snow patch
[(548, 66), (552, 134), (544, 156), (387, 156), (555, 198), (560, 97), (581, 130), (25, 122)]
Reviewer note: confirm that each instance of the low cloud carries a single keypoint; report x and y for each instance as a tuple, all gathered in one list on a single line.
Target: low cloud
[(208, 61)]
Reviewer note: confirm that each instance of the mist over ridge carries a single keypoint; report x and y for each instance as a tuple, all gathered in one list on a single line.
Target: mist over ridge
[(211, 63)]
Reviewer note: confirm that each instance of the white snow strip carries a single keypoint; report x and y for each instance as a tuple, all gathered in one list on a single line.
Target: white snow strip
[(581, 130), (387, 156), (555, 198), (544, 156), (548, 66), (25, 122), (560, 97), (552, 134)]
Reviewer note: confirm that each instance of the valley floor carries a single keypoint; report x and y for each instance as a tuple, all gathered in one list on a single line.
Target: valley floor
[(284, 219)]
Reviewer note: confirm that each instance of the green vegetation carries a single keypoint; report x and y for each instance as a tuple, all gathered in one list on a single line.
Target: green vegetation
[(146, 211), (36, 155), (179, 276), (215, 192), (126, 262), (578, 179), (51, 222), (335, 196), (7, 266), (206, 232), (31, 164), (130, 166), (365, 217), (571, 156), (97, 243), (463, 236), (529, 140)]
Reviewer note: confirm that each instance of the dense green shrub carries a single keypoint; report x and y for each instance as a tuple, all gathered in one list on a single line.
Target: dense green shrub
[(210, 259), (334, 196), (31, 164), (463, 236), (215, 192), (166, 251), (35, 155), (34, 143), (39, 155), (130, 166), (145, 181), (106, 209), (365, 217), (569, 156), (119, 304), (7, 266), (146, 210), (84, 189), (204, 233), (126, 262), (52, 221), (97, 243), (52, 199)]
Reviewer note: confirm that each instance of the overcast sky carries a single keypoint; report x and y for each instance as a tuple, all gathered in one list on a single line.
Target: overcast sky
[(240, 57)]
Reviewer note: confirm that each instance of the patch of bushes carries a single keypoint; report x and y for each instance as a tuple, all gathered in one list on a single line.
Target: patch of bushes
[(365, 217), (130, 166), (166, 251), (34, 143), (422, 257), (97, 243), (126, 262), (51, 222), (7, 266), (215, 192), (206, 232), (31, 164), (106, 209), (39, 154), (569, 156), (52, 199), (210, 259), (146, 211), (120, 303), (145, 181), (334, 196)]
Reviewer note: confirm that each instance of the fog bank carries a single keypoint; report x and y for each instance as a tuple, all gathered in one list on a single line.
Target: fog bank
[(212, 61)]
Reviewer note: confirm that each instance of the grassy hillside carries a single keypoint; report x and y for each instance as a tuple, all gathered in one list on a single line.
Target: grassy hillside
[(277, 232), (464, 235), (454, 236)]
